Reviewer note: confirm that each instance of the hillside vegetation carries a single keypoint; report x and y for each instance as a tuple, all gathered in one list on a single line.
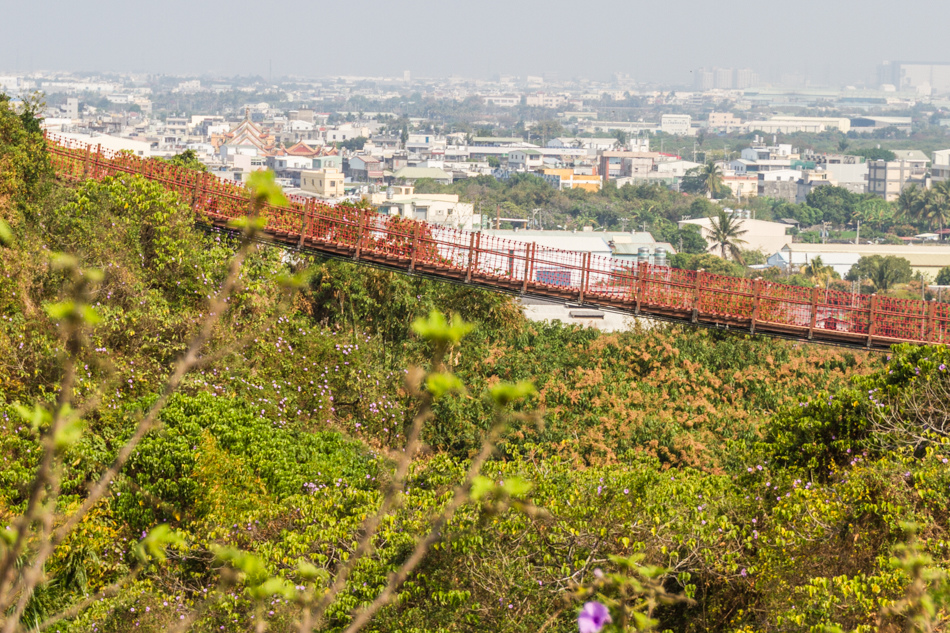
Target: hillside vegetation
[(746, 484)]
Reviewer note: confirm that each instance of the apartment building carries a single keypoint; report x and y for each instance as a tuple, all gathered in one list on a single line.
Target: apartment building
[(621, 164), (724, 122), (888, 178), (567, 178), (940, 167), (325, 183), (676, 124), (443, 209)]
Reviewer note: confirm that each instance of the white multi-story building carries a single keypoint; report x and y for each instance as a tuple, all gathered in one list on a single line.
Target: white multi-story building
[(940, 167), (442, 209), (543, 100), (676, 124)]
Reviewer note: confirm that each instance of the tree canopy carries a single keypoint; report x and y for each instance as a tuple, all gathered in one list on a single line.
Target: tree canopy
[(884, 271)]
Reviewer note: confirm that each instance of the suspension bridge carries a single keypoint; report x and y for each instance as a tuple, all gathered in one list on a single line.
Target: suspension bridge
[(692, 297)]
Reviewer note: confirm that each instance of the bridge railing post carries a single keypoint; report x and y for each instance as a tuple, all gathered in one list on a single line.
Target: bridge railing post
[(528, 264), (931, 321), (475, 241), (697, 279), (95, 163), (585, 276), (304, 224), (872, 318), (85, 164), (813, 315), (416, 227), (640, 288), (359, 234), (194, 191), (756, 294)]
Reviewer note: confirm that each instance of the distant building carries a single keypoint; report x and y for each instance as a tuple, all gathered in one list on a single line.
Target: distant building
[(767, 237), (365, 168), (793, 124), (614, 164), (325, 183), (940, 166), (742, 186), (543, 100), (888, 178), (724, 78), (248, 139), (868, 124), (442, 209), (914, 76), (112, 143), (498, 141), (723, 122), (409, 175), (850, 176), (676, 124), (781, 184), (927, 260), (425, 143), (566, 178), (503, 101), (745, 78), (525, 159), (72, 108)]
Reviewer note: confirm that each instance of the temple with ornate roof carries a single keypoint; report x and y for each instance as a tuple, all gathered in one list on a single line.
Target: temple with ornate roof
[(307, 151), (247, 138)]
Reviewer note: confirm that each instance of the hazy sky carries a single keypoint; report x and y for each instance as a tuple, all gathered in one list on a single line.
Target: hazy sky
[(662, 40)]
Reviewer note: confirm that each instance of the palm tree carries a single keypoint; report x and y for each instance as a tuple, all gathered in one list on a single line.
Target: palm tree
[(885, 274), (818, 272), (938, 205), (911, 203), (726, 234), (711, 178)]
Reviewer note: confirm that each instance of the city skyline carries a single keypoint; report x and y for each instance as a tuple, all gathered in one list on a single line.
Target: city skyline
[(663, 44)]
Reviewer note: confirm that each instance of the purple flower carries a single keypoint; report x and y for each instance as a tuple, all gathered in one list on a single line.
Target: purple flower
[(593, 617)]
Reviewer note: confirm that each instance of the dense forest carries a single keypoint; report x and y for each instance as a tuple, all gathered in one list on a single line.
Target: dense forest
[(200, 432)]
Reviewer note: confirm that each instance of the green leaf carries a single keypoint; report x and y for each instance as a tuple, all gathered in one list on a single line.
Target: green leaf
[(440, 384), (90, 315), (6, 235), (309, 571), (62, 261), (517, 487), (93, 275), (245, 223), (8, 536), (61, 310), (438, 330), (153, 546), (69, 433), (481, 486), (264, 188), (36, 417), (273, 587), (253, 568), (505, 393), (294, 282)]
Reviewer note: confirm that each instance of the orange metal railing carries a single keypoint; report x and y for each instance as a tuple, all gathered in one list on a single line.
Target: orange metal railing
[(513, 266)]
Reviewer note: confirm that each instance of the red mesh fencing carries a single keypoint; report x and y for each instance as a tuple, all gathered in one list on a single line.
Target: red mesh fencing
[(513, 265)]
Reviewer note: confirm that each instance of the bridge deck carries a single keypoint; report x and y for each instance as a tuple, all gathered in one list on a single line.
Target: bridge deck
[(696, 297)]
